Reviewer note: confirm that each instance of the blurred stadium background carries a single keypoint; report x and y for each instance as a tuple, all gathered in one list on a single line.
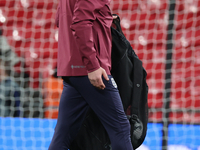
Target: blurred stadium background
[(165, 34)]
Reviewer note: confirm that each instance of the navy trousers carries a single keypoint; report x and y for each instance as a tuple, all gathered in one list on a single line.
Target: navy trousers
[(77, 96)]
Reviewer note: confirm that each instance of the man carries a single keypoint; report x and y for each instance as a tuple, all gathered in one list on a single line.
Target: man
[(84, 62)]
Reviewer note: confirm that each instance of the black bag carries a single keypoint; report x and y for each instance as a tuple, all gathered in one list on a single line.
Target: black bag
[(133, 91)]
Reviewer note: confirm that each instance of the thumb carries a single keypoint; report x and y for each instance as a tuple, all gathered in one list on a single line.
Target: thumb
[(105, 75)]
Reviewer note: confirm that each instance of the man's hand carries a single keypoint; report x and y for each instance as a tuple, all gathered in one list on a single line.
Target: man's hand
[(95, 78), (114, 17)]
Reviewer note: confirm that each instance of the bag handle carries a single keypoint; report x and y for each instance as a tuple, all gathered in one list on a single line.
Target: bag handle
[(116, 23)]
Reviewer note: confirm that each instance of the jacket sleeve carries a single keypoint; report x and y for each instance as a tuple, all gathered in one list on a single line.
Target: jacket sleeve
[(57, 16), (83, 17)]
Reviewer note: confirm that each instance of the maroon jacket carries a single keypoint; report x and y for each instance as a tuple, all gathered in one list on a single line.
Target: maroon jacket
[(84, 42)]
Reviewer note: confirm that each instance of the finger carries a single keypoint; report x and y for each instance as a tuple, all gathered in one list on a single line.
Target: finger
[(102, 87), (101, 84), (114, 17), (105, 75), (97, 83)]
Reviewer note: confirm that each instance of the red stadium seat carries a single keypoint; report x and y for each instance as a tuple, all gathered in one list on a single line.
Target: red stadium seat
[(6, 3), (155, 82), (191, 22), (155, 116), (36, 17), (16, 15), (185, 85), (44, 18), (185, 117), (39, 4), (185, 81), (187, 44), (153, 5), (27, 32), (41, 54), (187, 10), (187, 6), (147, 39), (123, 5), (143, 5), (42, 50), (141, 20)]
